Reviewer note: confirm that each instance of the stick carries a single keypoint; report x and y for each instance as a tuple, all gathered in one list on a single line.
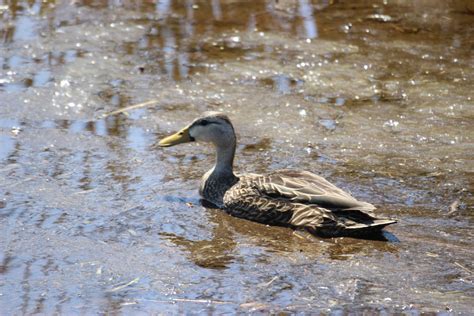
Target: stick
[(131, 107), (121, 287), (463, 267), (270, 282), (199, 301), (453, 207), (174, 300)]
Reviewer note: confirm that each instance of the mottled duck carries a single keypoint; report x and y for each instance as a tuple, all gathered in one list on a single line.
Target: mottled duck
[(299, 199)]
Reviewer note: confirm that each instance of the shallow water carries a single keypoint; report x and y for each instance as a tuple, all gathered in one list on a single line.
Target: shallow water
[(95, 218)]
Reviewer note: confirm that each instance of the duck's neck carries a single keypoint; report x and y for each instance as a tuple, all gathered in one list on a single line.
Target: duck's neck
[(221, 177), (224, 165)]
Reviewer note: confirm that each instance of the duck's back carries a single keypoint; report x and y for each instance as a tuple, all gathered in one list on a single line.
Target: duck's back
[(301, 199)]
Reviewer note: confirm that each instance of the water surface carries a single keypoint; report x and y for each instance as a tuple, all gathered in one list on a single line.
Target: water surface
[(95, 218)]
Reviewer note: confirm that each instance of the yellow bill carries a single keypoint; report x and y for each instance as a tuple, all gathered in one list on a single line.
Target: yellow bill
[(178, 138)]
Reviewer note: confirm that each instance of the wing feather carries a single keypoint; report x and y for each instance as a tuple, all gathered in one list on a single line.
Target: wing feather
[(308, 188), (301, 199)]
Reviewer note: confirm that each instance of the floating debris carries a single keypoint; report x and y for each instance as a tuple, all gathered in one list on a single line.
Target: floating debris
[(131, 107), (463, 267), (253, 306), (383, 18), (121, 287), (453, 208), (15, 130), (392, 126), (328, 124)]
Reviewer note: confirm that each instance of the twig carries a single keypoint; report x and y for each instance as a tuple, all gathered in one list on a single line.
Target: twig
[(453, 207), (131, 107), (86, 191), (463, 267), (20, 182), (121, 287), (199, 301), (270, 282), (174, 300), (305, 235), (298, 235), (8, 168)]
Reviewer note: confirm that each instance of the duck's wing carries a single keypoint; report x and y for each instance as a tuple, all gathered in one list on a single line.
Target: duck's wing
[(282, 198), (307, 188), (248, 199)]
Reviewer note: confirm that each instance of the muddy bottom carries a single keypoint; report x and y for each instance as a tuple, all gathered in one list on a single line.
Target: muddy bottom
[(96, 218)]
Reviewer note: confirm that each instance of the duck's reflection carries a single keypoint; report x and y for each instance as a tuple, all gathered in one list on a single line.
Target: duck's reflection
[(230, 233), (216, 253)]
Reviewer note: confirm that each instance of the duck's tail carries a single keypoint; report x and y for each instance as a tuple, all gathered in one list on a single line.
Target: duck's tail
[(358, 230), (356, 223), (367, 228), (335, 223)]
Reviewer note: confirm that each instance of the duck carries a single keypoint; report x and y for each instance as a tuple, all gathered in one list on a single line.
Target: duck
[(294, 198)]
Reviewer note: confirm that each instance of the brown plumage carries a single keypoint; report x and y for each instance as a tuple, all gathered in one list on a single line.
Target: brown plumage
[(283, 197)]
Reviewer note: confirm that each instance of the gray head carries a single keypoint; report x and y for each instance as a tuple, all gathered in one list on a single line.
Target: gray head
[(212, 127)]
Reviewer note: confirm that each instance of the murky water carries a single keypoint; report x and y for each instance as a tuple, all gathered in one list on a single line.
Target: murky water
[(94, 218)]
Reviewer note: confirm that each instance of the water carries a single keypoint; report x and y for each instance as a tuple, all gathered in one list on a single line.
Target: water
[(95, 218)]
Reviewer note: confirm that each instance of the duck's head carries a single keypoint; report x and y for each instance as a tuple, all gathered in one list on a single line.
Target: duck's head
[(212, 127)]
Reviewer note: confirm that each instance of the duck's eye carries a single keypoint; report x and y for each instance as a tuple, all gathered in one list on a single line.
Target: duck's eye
[(203, 122)]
